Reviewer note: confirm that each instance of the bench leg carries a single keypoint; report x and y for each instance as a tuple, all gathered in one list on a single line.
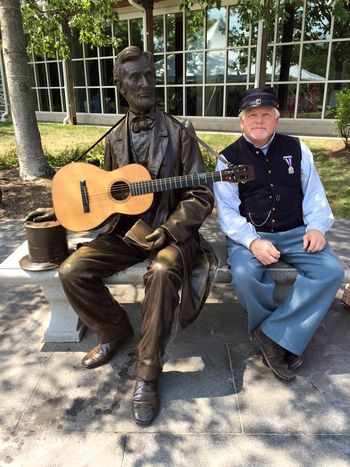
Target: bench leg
[(65, 325)]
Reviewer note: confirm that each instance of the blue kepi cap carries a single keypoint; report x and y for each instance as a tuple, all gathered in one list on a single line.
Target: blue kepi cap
[(259, 97)]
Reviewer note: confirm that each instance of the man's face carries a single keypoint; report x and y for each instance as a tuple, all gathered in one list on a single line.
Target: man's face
[(138, 85), (259, 124)]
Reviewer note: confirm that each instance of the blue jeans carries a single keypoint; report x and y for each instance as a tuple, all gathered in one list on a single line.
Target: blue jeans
[(292, 323)]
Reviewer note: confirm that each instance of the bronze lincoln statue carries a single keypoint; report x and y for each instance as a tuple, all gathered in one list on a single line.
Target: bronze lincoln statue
[(149, 137)]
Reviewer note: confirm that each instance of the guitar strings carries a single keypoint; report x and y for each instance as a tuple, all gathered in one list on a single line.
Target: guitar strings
[(144, 187), (137, 188), (152, 186)]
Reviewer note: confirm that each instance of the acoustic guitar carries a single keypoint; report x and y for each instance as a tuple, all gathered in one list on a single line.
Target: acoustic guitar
[(84, 196)]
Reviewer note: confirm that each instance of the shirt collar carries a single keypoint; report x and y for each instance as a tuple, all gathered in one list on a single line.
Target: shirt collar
[(263, 148)]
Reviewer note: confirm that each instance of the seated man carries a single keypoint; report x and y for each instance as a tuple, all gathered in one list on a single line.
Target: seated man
[(282, 214), (148, 137)]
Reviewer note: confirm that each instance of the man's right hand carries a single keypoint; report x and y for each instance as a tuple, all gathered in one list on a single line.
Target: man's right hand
[(41, 215), (264, 251)]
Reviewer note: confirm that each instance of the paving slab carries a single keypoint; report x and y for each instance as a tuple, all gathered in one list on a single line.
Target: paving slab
[(232, 450), (196, 393), (21, 369), (317, 402), (306, 405), (62, 449)]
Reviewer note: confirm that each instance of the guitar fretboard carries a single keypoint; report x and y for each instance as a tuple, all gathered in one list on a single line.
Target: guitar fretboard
[(172, 183)]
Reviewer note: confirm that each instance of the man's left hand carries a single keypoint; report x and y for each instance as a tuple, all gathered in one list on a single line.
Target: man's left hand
[(314, 241), (159, 237)]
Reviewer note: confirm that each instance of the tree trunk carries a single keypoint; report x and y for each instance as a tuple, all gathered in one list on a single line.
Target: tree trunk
[(30, 154), (68, 71), (149, 26), (286, 54)]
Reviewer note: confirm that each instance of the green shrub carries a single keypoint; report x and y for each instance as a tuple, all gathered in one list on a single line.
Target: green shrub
[(342, 116), (72, 154), (209, 161), (8, 160)]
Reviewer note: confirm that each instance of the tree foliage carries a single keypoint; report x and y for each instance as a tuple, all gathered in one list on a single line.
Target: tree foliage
[(252, 11), (342, 116), (45, 24), (187, 5)]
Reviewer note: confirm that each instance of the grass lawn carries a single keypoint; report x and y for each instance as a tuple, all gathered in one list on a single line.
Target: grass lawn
[(63, 144)]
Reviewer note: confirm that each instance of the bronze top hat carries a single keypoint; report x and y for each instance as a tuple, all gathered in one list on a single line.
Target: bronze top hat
[(47, 246)]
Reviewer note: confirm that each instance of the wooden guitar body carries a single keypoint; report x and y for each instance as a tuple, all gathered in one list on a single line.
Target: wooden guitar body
[(84, 196)]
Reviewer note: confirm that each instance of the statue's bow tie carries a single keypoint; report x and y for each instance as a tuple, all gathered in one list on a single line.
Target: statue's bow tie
[(141, 124)]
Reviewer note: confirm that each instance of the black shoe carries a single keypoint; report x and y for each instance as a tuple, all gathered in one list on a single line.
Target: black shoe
[(273, 354), (293, 361), (145, 402), (101, 354)]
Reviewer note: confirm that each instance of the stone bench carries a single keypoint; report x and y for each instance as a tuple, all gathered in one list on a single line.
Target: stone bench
[(65, 326)]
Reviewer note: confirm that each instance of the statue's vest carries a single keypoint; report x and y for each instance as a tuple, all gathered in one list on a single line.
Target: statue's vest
[(273, 201)]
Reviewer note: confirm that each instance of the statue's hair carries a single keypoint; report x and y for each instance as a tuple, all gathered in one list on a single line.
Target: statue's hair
[(126, 55)]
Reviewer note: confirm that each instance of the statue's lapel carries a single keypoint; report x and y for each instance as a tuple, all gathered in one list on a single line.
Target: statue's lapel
[(158, 144), (122, 143)]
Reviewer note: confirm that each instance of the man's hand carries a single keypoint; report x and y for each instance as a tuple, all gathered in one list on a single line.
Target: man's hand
[(314, 241), (264, 251), (159, 237), (41, 215)]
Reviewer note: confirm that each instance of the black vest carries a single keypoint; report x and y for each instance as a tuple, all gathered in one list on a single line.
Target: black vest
[(273, 201)]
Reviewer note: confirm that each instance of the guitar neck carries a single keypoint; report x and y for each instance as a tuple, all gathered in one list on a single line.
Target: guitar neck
[(172, 183)]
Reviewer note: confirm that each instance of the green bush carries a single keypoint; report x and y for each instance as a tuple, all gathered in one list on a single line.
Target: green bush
[(209, 161), (72, 154), (9, 159), (342, 116)]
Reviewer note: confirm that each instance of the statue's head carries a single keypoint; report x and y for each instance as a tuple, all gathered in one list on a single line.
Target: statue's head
[(134, 76)]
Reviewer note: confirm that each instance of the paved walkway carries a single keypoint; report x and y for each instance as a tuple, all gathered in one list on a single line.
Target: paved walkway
[(220, 406)]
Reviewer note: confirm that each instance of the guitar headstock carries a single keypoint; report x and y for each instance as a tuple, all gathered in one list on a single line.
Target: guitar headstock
[(238, 173)]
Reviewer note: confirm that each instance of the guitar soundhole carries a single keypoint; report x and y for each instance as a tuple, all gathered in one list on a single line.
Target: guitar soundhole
[(120, 191)]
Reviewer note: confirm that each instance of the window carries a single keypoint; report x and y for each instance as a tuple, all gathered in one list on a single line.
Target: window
[(314, 61), (317, 20), (287, 63), (310, 100), (289, 29), (339, 68), (203, 63), (214, 101)]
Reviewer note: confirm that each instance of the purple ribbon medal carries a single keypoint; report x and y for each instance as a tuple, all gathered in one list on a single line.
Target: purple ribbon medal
[(289, 161)]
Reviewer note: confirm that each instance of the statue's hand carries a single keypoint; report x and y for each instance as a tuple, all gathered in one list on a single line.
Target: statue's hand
[(41, 215), (159, 237)]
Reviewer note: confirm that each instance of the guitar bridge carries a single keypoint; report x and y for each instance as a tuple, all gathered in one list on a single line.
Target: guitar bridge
[(84, 196)]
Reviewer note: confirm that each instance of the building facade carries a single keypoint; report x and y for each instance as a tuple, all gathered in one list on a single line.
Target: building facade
[(204, 65)]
